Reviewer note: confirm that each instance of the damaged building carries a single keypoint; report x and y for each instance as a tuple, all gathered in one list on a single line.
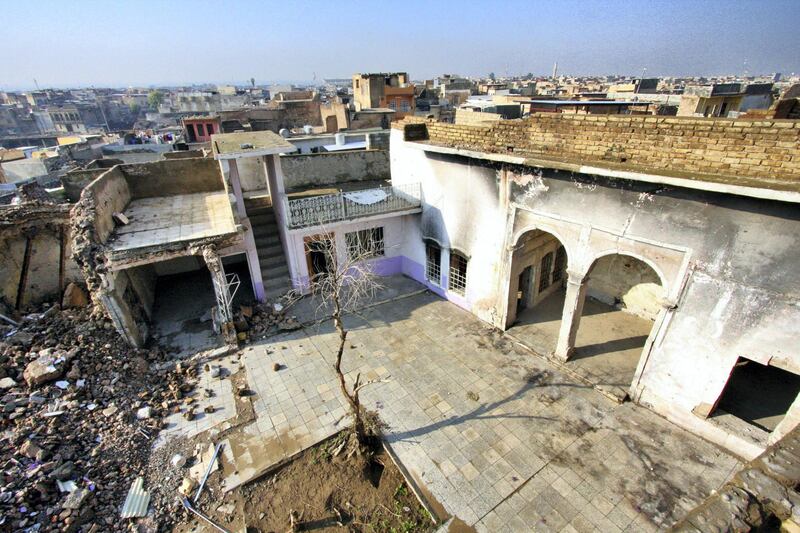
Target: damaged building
[(170, 224), (654, 257)]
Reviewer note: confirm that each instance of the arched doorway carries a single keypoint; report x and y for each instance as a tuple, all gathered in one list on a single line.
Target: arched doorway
[(623, 299), (536, 289)]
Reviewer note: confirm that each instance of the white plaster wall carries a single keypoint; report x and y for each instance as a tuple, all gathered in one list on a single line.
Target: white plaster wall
[(395, 230), (462, 210), (727, 265)]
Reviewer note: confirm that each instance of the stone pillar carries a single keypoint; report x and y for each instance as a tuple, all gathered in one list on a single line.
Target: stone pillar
[(571, 315)]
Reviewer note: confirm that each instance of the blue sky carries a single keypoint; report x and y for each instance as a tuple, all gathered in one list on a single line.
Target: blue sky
[(115, 43)]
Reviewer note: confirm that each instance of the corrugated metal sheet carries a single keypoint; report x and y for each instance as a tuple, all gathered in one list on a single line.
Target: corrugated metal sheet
[(137, 500)]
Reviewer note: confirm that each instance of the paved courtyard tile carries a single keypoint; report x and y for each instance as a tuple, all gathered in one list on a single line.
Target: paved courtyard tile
[(501, 439)]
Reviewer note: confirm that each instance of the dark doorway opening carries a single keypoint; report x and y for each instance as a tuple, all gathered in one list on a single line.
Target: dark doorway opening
[(524, 288), (759, 394), (318, 251)]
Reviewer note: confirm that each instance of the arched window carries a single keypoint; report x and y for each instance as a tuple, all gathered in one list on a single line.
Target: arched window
[(561, 264), (545, 271), (433, 263), (458, 273)]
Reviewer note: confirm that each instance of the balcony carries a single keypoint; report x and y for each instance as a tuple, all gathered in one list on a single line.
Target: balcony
[(319, 210)]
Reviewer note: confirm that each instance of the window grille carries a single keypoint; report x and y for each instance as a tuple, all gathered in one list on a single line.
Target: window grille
[(458, 273), (545, 271), (433, 263), (365, 243)]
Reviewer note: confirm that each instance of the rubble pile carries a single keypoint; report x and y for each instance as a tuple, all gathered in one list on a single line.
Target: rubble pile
[(262, 319), (79, 410)]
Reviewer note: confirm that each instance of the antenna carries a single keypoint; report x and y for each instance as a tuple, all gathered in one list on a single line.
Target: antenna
[(36, 83)]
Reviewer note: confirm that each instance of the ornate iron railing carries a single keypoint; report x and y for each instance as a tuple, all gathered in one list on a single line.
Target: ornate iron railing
[(319, 210)]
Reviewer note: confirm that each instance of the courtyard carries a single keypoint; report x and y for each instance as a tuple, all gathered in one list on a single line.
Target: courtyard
[(488, 433)]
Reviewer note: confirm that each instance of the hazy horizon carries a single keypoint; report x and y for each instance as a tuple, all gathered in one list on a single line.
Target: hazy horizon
[(183, 43)]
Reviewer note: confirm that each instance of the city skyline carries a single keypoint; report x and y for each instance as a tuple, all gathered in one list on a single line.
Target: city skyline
[(183, 44)]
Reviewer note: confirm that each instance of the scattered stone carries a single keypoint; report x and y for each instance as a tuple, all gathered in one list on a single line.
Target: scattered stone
[(74, 296), (44, 369), (209, 409), (7, 383), (111, 410), (178, 460), (214, 371), (63, 385), (76, 499), (187, 486), (276, 367), (30, 449)]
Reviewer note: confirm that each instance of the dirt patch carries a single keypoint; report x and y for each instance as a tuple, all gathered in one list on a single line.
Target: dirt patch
[(324, 492)]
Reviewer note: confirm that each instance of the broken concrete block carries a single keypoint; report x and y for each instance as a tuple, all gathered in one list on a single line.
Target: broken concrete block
[(74, 296), (44, 369), (30, 449), (120, 219), (187, 486), (76, 499)]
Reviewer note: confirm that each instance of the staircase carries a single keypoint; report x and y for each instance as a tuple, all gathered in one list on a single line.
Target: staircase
[(274, 270)]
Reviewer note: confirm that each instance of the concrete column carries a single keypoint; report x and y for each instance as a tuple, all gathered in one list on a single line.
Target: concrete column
[(214, 264), (237, 188), (571, 315)]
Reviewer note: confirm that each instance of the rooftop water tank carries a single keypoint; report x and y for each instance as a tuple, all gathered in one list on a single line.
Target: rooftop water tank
[(308, 129), (340, 139), (284, 133)]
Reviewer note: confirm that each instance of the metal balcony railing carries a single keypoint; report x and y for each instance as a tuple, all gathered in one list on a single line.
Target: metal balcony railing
[(318, 210)]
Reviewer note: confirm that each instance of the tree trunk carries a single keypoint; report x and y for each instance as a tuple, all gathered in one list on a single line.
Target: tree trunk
[(352, 399)]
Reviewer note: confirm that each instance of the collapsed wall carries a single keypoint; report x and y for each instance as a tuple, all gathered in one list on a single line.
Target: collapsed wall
[(36, 264)]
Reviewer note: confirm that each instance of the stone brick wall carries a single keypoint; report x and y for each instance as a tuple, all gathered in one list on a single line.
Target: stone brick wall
[(767, 149)]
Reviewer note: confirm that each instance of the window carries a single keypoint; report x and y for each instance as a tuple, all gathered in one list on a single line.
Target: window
[(199, 129), (544, 272), (458, 273), (404, 106), (433, 263), (210, 129), (561, 264), (364, 243), (393, 105)]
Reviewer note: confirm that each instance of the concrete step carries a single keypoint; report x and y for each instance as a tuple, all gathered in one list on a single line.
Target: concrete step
[(271, 260), (273, 272)]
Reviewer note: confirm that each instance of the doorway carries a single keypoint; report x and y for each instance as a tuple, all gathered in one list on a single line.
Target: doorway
[(524, 288), (319, 250)]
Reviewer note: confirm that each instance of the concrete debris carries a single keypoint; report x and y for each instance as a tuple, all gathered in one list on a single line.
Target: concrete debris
[(69, 454), (178, 460), (74, 296), (143, 413), (120, 219), (187, 486), (49, 366), (76, 499)]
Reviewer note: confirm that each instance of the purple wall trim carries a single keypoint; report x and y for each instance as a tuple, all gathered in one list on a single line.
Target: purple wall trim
[(388, 266), (415, 271), (400, 264)]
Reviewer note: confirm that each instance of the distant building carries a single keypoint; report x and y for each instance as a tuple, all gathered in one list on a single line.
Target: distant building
[(722, 99), (384, 90), (199, 129)]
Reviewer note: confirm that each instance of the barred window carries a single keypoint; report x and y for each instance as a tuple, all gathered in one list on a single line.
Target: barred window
[(458, 273), (364, 243), (544, 273), (404, 105), (561, 264), (433, 263)]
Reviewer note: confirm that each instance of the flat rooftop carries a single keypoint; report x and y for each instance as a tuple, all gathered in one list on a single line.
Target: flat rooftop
[(249, 144), (167, 219)]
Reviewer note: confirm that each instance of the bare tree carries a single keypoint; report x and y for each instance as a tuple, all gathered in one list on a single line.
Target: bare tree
[(343, 282)]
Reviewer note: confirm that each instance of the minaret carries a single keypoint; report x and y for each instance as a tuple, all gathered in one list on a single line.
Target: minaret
[(555, 70)]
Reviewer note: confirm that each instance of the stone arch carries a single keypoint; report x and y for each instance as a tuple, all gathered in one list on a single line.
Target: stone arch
[(649, 262), (538, 270)]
